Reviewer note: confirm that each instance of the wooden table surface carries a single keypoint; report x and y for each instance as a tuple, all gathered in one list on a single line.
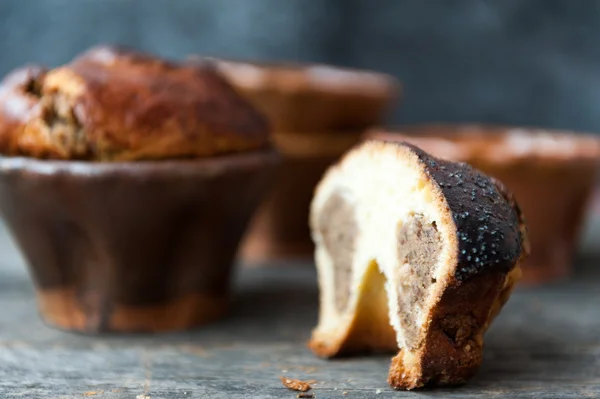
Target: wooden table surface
[(546, 343)]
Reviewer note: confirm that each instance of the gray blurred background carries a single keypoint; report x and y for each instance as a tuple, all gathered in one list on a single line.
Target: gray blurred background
[(534, 62)]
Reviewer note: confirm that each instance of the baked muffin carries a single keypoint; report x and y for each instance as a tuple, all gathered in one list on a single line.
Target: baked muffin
[(127, 181), (413, 254), (112, 104), (551, 173), (318, 112)]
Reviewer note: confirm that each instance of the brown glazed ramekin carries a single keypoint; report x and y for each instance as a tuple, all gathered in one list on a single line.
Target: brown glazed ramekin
[(132, 247), (551, 173), (317, 113), (311, 98)]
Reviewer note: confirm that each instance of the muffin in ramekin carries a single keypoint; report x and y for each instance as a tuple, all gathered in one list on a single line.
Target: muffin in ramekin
[(127, 181), (318, 112), (551, 173)]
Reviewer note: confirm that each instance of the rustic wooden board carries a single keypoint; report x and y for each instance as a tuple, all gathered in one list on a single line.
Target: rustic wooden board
[(545, 344)]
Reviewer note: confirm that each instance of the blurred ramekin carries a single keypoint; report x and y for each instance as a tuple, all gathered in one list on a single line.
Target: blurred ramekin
[(132, 246)]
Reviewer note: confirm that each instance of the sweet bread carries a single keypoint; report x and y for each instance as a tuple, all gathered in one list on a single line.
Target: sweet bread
[(115, 104), (415, 255)]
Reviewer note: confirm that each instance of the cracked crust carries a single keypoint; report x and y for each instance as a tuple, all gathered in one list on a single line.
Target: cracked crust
[(114, 104), (482, 240)]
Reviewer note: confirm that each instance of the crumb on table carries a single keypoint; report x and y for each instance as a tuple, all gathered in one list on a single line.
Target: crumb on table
[(295, 385)]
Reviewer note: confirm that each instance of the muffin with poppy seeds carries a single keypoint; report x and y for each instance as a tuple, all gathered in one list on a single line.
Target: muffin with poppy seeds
[(414, 255)]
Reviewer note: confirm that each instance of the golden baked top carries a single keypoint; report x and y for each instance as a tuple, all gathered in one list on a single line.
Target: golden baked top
[(114, 104)]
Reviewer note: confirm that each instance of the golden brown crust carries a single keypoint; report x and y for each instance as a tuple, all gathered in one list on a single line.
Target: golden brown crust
[(19, 98), (116, 104), (453, 349)]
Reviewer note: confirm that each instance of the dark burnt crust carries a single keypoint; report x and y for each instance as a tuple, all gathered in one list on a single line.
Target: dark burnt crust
[(510, 198), (489, 225), (492, 239)]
